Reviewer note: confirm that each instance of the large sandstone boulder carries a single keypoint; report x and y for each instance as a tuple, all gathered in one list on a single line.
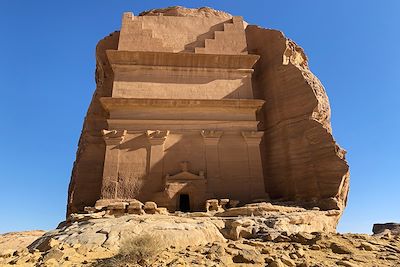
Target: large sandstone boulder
[(301, 160), (108, 232), (390, 228)]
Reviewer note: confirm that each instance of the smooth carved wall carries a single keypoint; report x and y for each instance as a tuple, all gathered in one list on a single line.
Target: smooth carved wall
[(181, 83)]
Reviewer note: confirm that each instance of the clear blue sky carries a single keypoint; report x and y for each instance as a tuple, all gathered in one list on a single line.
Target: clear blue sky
[(47, 81)]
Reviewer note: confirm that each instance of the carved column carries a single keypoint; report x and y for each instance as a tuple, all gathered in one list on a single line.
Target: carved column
[(211, 139), (109, 186), (156, 140), (253, 140)]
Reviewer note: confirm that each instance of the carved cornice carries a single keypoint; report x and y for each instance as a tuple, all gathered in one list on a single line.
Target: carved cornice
[(118, 103), (157, 137), (150, 58), (113, 137)]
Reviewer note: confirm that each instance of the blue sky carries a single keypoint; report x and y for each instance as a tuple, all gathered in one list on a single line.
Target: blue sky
[(47, 80)]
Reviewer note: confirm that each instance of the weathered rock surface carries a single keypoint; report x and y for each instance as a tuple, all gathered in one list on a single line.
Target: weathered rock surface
[(381, 228), (180, 11), (108, 232), (11, 242), (301, 160), (96, 242)]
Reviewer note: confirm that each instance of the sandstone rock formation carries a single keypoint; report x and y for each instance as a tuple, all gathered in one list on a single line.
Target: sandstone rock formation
[(11, 242), (298, 160), (184, 240), (386, 229)]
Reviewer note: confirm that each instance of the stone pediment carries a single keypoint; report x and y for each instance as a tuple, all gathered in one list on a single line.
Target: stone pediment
[(182, 176), (185, 175)]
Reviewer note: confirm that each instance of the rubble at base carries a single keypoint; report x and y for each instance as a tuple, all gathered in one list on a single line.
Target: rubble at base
[(259, 234), (192, 239)]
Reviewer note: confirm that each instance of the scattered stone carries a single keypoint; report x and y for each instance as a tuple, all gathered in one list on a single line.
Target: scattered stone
[(367, 246), (276, 263), (217, 249), (136, 207), (393, 228), (90, 209), (223, 202), (150, 207), (303, 238), (212, 205), (117, 208), (54, 253), (340, 248), (315, 247), (347, 264), (287, 261)]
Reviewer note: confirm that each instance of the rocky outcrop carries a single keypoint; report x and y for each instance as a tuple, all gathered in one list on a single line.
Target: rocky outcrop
[(196, 241), (85, 185), (15, 241), (303, 161), (107, 227), (108, 232), (179, 11), (386, 229)]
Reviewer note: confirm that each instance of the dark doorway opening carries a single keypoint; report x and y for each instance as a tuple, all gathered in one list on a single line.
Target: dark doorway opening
[(184, 203)]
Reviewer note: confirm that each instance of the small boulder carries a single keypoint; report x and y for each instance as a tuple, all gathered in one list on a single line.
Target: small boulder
[(276, 263), (150, 207), (340, 248), (367, 246)]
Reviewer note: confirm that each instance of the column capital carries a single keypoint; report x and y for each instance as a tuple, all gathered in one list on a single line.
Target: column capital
[(211, 137), (252, 137), (156, 137), (113, 137)]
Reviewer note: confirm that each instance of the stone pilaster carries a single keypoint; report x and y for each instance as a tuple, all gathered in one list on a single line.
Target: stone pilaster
[(211, 139), (257, 187), (156, 140), (112, 139)]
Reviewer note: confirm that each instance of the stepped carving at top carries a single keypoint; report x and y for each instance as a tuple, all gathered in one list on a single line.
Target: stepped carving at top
[(231, 40), (195, 108), (135, 37)]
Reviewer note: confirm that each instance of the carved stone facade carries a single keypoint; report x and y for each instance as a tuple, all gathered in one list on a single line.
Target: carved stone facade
[(178, 118)]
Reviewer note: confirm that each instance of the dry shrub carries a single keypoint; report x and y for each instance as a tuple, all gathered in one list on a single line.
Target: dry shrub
[(134, 250), (139, 248)]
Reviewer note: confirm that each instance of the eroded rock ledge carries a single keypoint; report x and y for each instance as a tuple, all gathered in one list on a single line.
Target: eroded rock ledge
[(286, 237)]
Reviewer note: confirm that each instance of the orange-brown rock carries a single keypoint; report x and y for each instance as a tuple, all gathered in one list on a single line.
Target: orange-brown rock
[(302, 161), (180, 109)]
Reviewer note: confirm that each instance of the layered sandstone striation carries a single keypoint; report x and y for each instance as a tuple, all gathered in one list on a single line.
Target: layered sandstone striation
[(301, 158), (87, 172), (301, 163)]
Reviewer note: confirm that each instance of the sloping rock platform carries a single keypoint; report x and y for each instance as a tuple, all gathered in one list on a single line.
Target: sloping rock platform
[(296, 237)]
